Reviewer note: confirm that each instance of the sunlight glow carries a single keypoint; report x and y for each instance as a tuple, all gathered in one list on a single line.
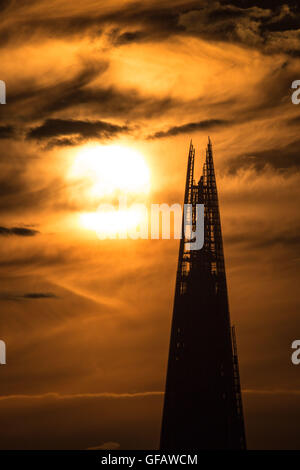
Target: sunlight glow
[(111, 168), (108, 172), (113, 223)]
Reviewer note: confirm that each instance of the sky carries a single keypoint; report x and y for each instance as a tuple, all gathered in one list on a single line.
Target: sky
[(87, 321)]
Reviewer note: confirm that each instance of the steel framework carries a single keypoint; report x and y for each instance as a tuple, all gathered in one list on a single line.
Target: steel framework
[(203, 403)]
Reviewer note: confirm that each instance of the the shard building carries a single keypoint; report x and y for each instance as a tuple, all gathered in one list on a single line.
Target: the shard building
[(203, 404)]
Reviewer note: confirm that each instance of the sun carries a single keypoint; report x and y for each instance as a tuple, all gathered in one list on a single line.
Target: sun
[(111, 168), (107, 172), (113, 223)]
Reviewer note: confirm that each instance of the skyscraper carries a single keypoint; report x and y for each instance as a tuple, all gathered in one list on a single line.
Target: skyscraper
[(203, 405)]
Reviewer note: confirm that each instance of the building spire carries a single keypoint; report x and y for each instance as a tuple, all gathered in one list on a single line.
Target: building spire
[(203, 403)]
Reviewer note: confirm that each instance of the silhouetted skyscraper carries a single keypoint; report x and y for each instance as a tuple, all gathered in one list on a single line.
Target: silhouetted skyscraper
[(203, 405)]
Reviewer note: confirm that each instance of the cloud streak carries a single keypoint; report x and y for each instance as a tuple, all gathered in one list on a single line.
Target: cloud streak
[(190, 127), (79, 130), (29, 295), (18, 231)]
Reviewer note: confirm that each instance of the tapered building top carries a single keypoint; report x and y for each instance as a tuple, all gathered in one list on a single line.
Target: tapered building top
[(202, 407)]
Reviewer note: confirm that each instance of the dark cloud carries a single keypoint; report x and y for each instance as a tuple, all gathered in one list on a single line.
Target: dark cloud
[(21, 191), (63, 142), (18, 195), (6, 132), (58, 27), (274, 90), (81, 129), (251, 25), (112, 102), (5, 4), (156, 20), (149, 22), (33, 102), (36, 101), (294, 120), (40, 295), (190, 127), (279, 158), (39, 257), (29, 295), (128, 37), (267, 239), (19, 231), (236, 21)]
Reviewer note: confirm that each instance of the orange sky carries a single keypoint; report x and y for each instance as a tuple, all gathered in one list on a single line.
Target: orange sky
[(87, 322)]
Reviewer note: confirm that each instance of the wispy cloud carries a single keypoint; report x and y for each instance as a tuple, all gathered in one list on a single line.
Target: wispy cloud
[(29, 295), (190, 127), (18, 231), (79, 130)]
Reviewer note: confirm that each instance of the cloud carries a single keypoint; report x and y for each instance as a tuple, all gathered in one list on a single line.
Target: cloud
[(81, 130), (281, 159), (35, 101), (29, 295), (18, 231), (39, 295), (21, 191), (255, 26), (136, 22), (127, 37), (289, 239), (6, 132), (132, 423), (18, 195), (112, 102), (158, 20), (122, 421), (38, 257), (251, 26), (286, 41), (226, 22), (190, 128), (106, 446)]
